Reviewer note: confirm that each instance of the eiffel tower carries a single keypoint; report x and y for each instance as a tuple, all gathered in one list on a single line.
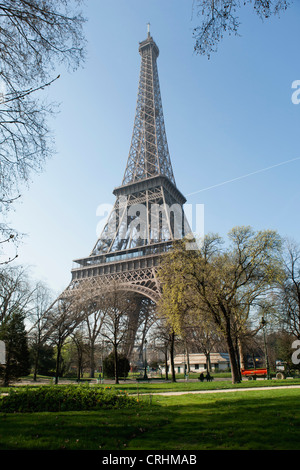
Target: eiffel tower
[(148, 214)]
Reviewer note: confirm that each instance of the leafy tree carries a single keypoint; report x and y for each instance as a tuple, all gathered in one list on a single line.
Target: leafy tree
[(221, 283), (13, 333), (46, 360), (109, 369)]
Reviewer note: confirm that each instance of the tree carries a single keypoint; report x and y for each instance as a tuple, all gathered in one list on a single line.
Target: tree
[(46, 360), (161, 336), (221, 283), (118, 306), (288, 294), (65, 315), (36, 35), (13, 333), (220, 17), (94, 322), (202, 337), (279, 346), (109, 366), (15, 292), (79, 341), (41, 300)]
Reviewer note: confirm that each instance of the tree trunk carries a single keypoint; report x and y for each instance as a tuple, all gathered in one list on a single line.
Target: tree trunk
[(242, 356), (235, 372), (92, 361), (166, 363), (238, 358), (78, 373), (36, 362), (6, 376), (187, 358), (116, 365), (172, 356), (79, 366), (208, 363), (57, 364)]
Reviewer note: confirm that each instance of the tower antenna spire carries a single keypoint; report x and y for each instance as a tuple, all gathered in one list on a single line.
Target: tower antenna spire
[(148, 29)]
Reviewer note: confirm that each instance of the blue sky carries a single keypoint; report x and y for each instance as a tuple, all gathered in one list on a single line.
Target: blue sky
[(225, 118)]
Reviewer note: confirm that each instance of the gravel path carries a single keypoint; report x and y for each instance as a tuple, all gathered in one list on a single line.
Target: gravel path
[(228, 390)]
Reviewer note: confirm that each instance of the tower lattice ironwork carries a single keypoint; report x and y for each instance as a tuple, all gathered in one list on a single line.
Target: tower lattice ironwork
[(148, 213)]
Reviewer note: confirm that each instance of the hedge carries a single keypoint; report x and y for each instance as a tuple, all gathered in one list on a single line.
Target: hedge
[(64, 398)]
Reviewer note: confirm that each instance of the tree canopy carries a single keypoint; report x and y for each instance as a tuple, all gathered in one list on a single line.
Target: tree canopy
[(222, 283)]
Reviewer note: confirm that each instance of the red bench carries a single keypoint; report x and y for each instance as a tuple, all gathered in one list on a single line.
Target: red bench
[(253, 373)]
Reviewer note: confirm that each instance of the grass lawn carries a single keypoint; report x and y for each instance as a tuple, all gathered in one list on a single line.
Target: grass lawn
[(158, 387), (268, 419)]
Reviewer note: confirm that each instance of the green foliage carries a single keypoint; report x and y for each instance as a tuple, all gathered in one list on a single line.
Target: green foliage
[(70, 398), (13, 333), (109, 366), (214, 421), (46, 359), (220, 285)]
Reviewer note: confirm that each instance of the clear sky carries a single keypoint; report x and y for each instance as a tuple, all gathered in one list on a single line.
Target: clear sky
[(226, 118)]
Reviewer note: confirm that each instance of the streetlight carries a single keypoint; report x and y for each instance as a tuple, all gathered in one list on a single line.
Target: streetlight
[(263, 324), (145, 372)]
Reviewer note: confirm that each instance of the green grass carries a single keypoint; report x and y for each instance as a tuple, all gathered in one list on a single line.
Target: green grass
[(243, 420), (158, 387), (133, 387)]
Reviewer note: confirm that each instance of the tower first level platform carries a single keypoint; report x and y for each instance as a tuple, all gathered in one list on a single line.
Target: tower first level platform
[(148, 213)]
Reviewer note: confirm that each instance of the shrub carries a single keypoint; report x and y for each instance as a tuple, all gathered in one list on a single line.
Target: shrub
[(109, 366), (63, 398)]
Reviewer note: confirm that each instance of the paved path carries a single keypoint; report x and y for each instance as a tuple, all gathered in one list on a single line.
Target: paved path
[(226, 390)]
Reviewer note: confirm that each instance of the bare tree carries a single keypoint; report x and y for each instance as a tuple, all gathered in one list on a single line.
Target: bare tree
[(118, 306), (94, 323), (41, 300), (219, 17), (202, 336), (288, 294), (15, 292), (63, 318), (36, 36), (79, 340), (161, 334)]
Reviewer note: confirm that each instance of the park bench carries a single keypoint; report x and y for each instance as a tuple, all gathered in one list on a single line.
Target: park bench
[(207, 378), (252, 374), (142, 379)]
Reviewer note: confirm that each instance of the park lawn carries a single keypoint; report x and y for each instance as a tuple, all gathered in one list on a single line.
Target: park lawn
[(242, 420), (255, 420), (160, 387)]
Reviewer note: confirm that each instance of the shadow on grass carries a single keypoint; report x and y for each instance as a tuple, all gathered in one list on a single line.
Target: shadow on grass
[(243, 420), (235, 422), (90, 430)]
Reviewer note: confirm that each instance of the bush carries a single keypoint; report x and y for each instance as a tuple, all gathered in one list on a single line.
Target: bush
[(63, 398), (109, 366)]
